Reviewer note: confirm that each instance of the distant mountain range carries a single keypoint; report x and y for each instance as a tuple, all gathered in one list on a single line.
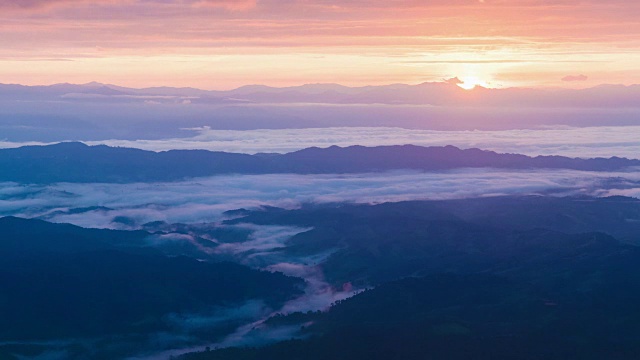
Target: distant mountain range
[(428, 93), (77, 162)]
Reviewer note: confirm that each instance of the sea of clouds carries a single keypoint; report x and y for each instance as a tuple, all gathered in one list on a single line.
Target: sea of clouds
[(206, 199), (601, 141)]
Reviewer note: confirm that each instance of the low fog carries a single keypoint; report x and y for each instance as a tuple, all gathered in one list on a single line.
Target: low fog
[(61, 120), (206, 199)]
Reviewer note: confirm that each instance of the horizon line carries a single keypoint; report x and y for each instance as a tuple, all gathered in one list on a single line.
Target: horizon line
[(248, 85)]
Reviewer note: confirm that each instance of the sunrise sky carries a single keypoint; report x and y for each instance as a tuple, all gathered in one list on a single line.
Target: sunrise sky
[(222, 44)]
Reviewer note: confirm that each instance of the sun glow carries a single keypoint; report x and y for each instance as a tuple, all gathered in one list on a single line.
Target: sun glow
[(470, 82)]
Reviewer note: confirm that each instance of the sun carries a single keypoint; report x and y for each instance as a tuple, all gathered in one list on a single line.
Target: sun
[(470, 82)]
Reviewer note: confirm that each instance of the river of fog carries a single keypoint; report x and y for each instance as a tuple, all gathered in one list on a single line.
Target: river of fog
[(260, 251)]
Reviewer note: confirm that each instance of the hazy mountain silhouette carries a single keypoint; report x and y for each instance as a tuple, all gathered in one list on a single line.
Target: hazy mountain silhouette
[(76, 162), (428, 93)]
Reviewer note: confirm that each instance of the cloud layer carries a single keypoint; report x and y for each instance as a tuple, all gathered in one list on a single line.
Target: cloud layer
[(566, 141), (575, 78), (584, 142), (205, 199), (226, 43)]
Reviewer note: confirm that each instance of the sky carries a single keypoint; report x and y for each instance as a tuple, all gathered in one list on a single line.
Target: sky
[(223, 44)]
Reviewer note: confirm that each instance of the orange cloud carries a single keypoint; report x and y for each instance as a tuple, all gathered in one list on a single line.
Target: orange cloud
[(534, 42)]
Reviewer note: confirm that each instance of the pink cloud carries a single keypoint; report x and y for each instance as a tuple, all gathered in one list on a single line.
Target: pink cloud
[(575, 78), (454, 81), (370, 35), (30, 4), (39, 4), (226, 4)]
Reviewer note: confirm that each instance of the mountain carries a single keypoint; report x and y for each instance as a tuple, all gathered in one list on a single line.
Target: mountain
[(100, 112), (428, 93), (367, 159), (472, 316), (527, 277), (76, 162), (115, 290), (465, 279), (372, 244), (57, 91)]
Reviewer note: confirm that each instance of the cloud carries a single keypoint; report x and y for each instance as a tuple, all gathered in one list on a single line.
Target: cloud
[(604, 141), (40, 4), (158, 126), (227, 4), (365, 39), (251, 310), (237, 5), (31, 3), (567, 141), (571, 78), (262, 242), (206, 199)]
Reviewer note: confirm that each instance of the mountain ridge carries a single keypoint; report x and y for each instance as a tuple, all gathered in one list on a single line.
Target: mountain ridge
[(78, 162)]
